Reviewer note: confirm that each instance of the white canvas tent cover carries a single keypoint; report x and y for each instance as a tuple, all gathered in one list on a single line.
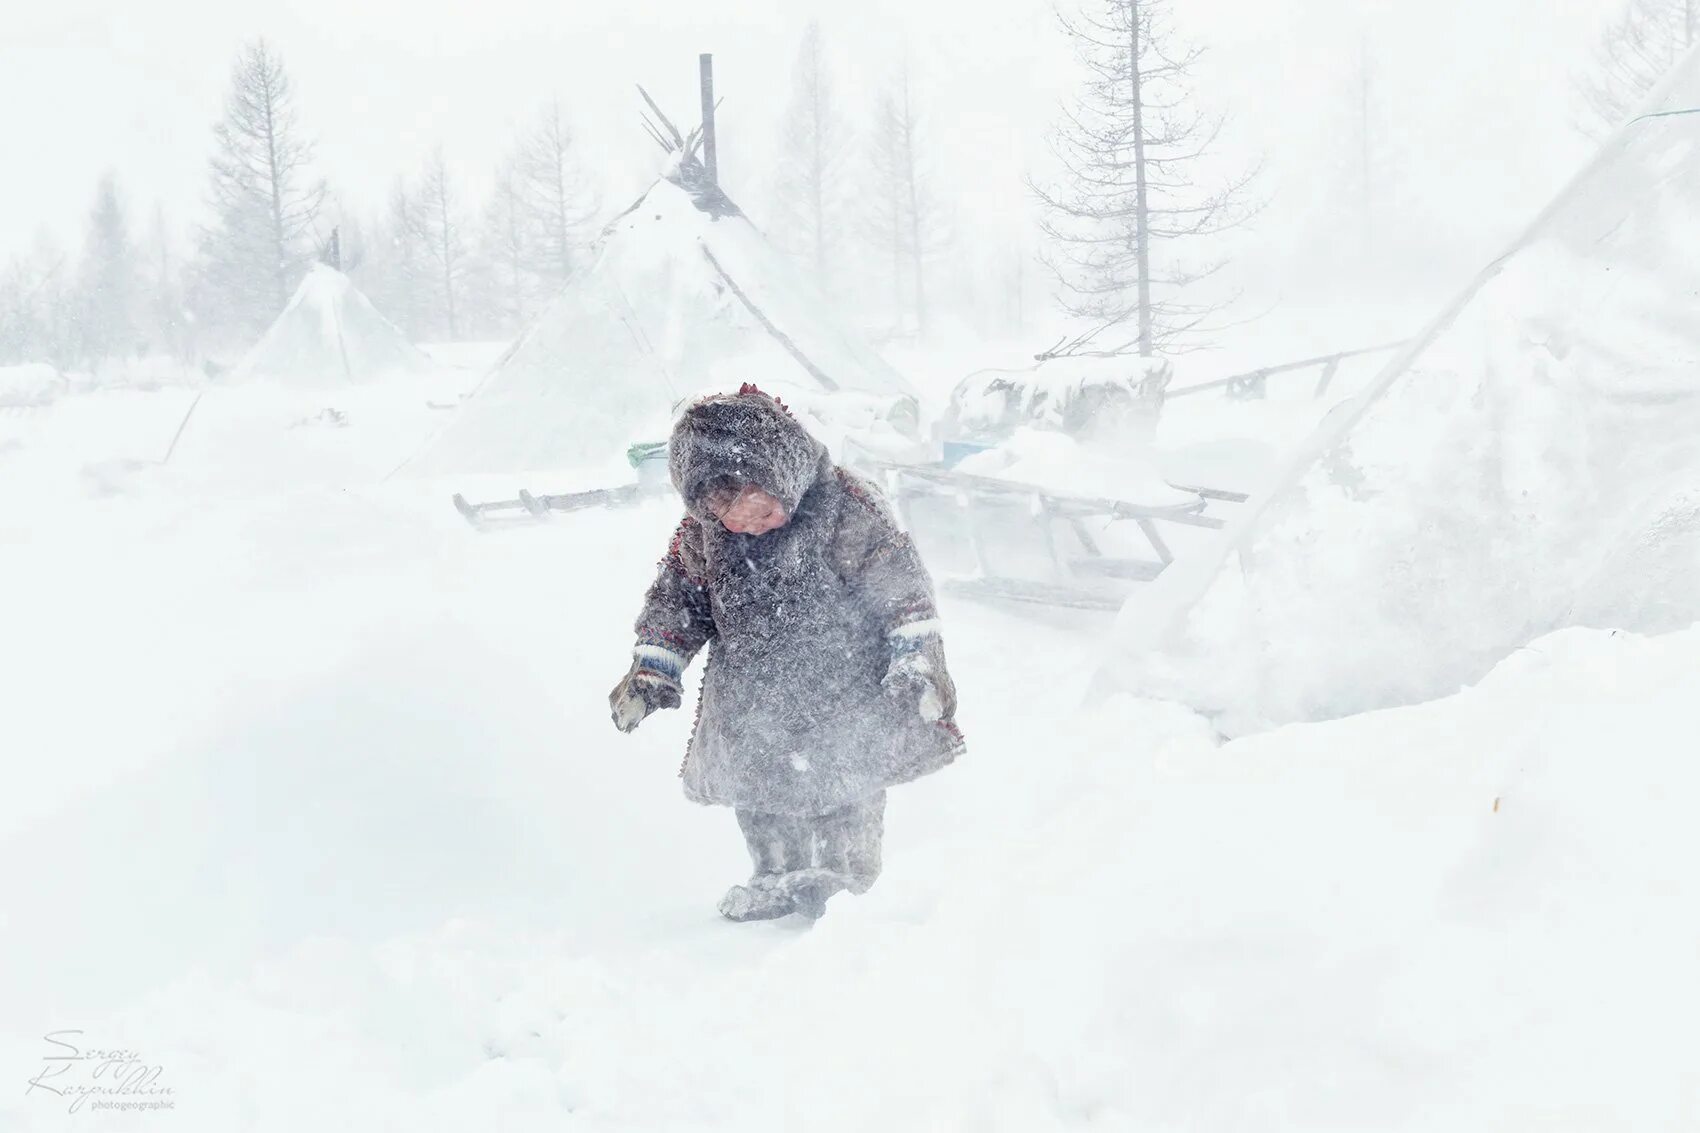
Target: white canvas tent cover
[(1529, 462), (329, 334), (679, 298)]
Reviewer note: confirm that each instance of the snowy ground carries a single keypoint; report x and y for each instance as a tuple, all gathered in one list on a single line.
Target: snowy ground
[(313, 804)]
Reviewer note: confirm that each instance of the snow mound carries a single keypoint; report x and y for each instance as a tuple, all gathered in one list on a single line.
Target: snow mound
[(260, 437), (1060, 465), (676, 302), (329, 334), (31, 384), (337, 772), (380, 825), (1484, 490)]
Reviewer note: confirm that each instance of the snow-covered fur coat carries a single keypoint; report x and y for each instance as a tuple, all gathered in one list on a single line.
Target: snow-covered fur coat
[(804, 622)]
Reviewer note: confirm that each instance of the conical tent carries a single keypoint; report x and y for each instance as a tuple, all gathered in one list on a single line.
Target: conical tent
[(682, 295), (330, 334), (1530, 462)]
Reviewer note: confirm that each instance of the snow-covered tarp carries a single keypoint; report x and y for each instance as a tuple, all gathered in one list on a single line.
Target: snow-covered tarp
[(675, 302), (1070, 395), (1530, 462), (329, 334), (1059, 465)]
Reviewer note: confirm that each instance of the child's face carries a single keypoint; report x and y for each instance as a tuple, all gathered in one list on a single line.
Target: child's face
[(747, 509)]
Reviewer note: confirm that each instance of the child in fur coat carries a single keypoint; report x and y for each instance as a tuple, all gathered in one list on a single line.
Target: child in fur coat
[(826, 679)]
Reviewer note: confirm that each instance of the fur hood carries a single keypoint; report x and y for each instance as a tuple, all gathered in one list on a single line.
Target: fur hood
[(747, 436)]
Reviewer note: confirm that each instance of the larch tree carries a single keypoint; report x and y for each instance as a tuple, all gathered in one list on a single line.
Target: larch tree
[(39, 309), (809, 198), (394, 273), (440, 233), (1638, 49), (265, 201), (506, 250), (902, 213), (1367, 178), (1130, 210), (1369, 163), (559, 198), (109, 279), (168, 328)]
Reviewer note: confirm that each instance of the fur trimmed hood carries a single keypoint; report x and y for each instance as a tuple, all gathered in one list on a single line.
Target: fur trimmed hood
[(747, 436)]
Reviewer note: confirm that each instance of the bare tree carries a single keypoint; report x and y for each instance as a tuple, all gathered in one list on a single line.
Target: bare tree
[(1638, 50), (1014, 272), (167, 325), (264, 200), (506, 250), (559, 198), (1129, 209), (1375, 164), (808, 194), (1366, 144), (440, 231), (39, 320), (109, 279), (902, 213), (393, 270)]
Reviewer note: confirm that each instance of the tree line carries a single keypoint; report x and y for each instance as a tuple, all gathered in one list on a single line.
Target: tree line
[(430, 262), (436, 262), (1129, 210)]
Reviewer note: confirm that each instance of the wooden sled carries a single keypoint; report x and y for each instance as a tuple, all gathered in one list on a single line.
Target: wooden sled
[(1068, 565)]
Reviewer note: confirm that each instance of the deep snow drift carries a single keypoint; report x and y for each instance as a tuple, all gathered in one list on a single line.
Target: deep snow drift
[(313, 802), (1529, 463)]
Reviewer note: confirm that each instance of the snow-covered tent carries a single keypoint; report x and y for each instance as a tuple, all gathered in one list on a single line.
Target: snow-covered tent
[(681, 295), (1531, 461), (329, 335)]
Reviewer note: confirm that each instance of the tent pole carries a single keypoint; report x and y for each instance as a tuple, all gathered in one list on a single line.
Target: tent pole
[(710, 156)]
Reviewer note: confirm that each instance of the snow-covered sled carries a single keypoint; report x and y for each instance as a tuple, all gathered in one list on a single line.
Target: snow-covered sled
[(1004, 540)]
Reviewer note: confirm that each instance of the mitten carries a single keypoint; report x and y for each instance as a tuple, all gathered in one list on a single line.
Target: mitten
[(646, 687), (913, 680)]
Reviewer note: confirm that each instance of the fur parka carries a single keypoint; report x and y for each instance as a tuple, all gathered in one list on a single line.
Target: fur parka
[(803, 624)]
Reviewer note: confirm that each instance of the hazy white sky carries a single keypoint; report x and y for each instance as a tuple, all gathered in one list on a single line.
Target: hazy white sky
[(1474, 93)]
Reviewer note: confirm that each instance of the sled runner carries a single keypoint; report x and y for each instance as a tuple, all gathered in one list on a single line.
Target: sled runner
[(648, 459), (528, 508)]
